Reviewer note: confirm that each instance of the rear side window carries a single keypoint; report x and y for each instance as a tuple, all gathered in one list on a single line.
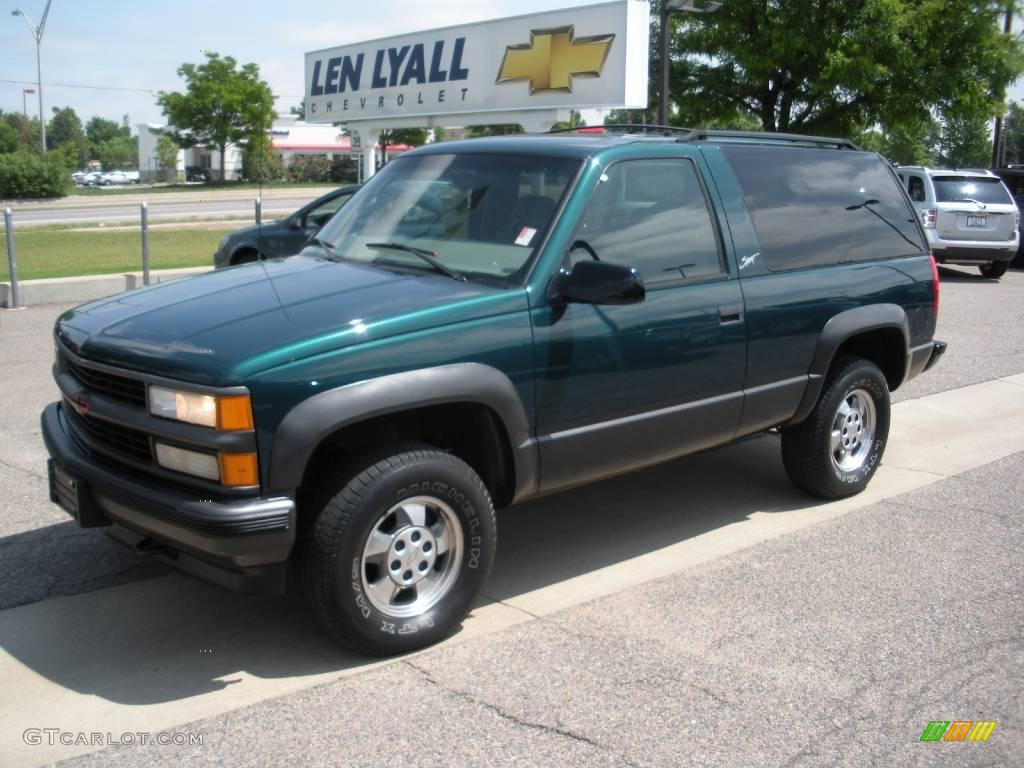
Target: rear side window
[(956, 189), (916, 189), (816, 207)]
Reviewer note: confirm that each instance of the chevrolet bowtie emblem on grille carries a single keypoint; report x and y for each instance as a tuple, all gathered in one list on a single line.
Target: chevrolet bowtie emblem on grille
[(553, 57), (80, 405)]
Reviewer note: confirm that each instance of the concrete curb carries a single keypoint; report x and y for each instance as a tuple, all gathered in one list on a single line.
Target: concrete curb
[(71, 290)]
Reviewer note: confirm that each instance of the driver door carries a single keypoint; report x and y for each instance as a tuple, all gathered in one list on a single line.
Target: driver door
[(619, 387)]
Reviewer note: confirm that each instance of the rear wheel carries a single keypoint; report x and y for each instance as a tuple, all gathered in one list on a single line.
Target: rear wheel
[(399, 552), (995, 270), (836, 450)]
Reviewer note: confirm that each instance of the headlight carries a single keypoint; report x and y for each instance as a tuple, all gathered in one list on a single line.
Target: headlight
[(230, 469), (203, 465), (221, 412)]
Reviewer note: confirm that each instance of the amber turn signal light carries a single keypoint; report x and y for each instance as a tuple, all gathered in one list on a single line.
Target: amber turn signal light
[(234, 413), (238, 469)]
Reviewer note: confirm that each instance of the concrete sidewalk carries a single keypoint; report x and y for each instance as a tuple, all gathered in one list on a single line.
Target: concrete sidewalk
[(77, 290)]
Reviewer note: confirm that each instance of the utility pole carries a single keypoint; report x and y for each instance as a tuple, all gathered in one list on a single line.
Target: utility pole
[(37, 33), (24, 114), (998, 139)]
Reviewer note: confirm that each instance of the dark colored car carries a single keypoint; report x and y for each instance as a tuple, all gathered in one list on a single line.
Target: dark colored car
[(195, 173), (487, 321), (281, 238), (1014, 180)]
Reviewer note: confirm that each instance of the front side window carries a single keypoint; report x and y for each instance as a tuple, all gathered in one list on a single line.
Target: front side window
[(479, 215), (651, 215)]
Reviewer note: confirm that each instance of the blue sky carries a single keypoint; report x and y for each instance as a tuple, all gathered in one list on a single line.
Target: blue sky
[(140, 45)]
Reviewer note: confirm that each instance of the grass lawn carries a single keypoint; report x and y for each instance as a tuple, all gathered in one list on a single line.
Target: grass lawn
[(60, 253)]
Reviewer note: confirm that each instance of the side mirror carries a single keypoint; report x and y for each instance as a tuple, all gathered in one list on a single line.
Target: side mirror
[(596, 282)]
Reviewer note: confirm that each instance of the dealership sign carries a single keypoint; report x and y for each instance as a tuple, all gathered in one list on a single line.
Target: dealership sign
[(591, 56)]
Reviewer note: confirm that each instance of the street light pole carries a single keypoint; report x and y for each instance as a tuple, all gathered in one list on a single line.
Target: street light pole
[(37, 33), (667, 7), (24, 114)]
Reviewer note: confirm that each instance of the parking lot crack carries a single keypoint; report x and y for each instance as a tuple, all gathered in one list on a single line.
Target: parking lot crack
[(515, 719), (16, 468)]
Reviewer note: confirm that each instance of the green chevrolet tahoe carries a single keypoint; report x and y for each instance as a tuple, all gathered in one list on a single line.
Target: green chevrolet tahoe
[(484, 322)]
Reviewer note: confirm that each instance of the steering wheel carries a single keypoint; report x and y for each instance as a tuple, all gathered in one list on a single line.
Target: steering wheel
[(583, 245)]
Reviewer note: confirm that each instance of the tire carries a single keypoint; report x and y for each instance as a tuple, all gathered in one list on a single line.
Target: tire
[(246, 257), (994, 270), (399, 552), (823, 459)]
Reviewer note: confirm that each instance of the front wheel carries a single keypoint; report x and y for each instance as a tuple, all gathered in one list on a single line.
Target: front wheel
[(399, 553), (995, 270), (836, 450)]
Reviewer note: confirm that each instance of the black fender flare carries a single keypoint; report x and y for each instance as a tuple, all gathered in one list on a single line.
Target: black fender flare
[(310, 422), (837, 330)]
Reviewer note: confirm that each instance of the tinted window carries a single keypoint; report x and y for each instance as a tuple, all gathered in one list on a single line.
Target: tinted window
[(952, 189), (652, 215), (813, 207), (916, 189)]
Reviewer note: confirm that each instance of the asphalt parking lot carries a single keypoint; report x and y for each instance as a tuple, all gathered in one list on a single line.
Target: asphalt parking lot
[(699, 613)]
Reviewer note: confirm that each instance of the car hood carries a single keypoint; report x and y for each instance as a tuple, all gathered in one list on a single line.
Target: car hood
[(220, 327)]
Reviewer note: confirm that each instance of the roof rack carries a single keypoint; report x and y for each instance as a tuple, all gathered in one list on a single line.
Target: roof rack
[(760, 137), (627, 128)]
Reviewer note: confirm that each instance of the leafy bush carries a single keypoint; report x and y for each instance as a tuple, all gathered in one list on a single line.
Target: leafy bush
[(25, 175), (309, 168), (344, 170)]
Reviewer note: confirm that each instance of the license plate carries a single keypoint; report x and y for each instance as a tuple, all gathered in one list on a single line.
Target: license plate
[(63, 489), (977, 221)]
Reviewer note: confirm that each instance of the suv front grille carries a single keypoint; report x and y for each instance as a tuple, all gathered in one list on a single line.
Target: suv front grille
[(110, 385), (113, 438)]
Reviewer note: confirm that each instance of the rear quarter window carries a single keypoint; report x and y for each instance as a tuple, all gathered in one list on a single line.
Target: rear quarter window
[(817, 207)]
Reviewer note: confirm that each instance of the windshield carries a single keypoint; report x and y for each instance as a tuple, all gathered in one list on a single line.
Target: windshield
[(478, 215), (983, 189)]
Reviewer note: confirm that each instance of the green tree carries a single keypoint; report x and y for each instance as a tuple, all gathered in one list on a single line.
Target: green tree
[(260, 162), (300, 110), (222, 104), (965, 142), (412, 137), (167, 153), (575, 121), (66, 128), (119, 153), (99, 129), (501, 129), (1013, 127), (810, 66), (10, 138), (17, 121)]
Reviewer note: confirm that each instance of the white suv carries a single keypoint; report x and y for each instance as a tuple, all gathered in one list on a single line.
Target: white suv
[(968, 216)]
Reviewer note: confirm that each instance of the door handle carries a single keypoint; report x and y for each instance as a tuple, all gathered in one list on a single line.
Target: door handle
[(730, 315)]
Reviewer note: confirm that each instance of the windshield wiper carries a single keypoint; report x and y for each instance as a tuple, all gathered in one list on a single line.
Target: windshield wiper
[(329, 247), (966, 200), (423, 253)]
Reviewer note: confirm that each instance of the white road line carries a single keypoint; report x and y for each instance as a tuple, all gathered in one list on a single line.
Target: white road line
[(156, 654)]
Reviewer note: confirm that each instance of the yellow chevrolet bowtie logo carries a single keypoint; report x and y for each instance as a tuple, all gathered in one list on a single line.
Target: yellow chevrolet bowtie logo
[(553, 57)]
